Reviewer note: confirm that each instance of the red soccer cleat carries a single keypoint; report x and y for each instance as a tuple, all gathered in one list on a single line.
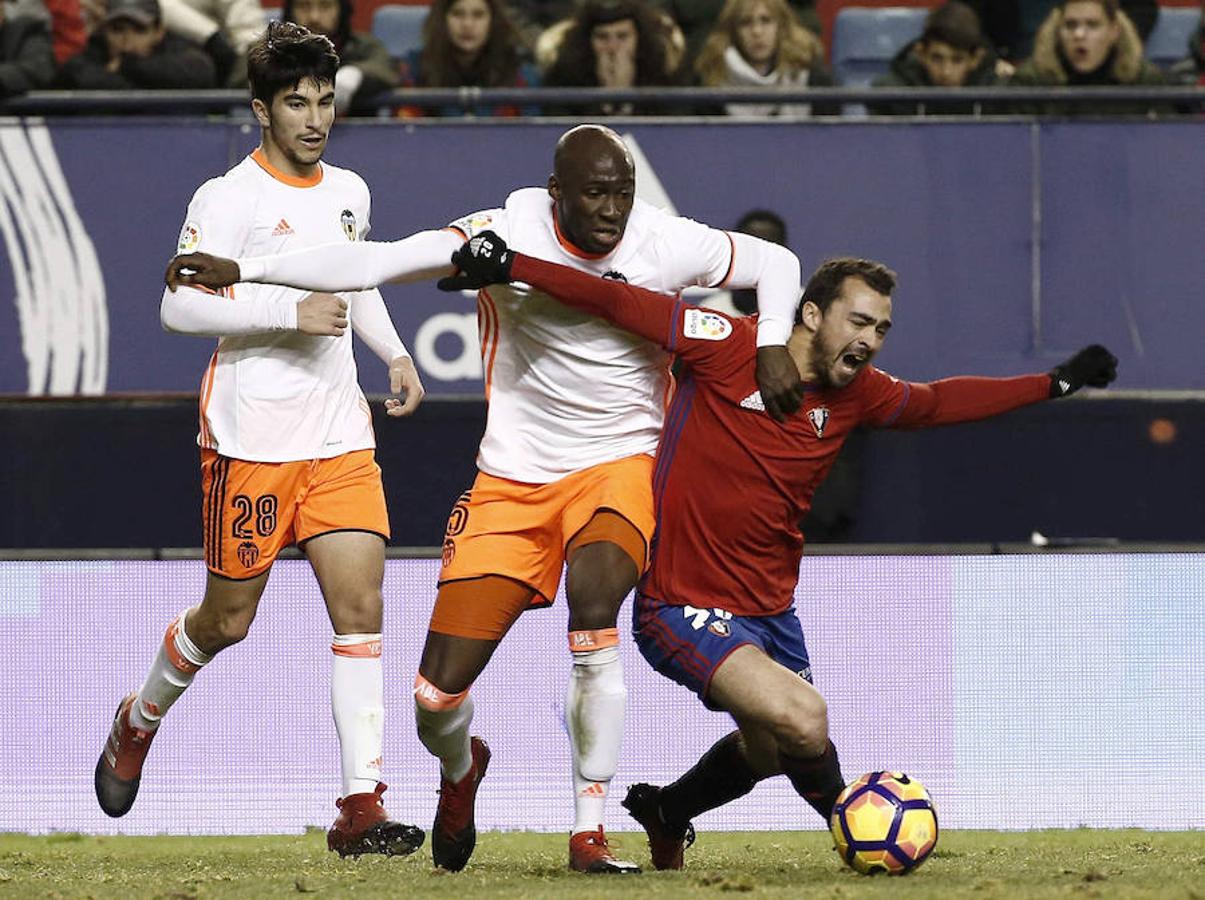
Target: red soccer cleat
[(666, 842), (589, 852), (454, 834), (119, 769), (364, 827)]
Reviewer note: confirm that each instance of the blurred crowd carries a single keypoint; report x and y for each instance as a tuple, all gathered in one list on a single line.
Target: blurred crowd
[(615, 44)]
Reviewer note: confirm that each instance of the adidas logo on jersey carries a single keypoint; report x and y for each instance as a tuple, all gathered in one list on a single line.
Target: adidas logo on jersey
[(282, 228), (754, 402)]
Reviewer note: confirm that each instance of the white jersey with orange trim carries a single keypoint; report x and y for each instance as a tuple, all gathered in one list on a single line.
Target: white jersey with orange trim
[(568, 391), (272, 393)]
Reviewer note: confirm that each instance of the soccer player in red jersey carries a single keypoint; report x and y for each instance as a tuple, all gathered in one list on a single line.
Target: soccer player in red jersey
[(714, 612)]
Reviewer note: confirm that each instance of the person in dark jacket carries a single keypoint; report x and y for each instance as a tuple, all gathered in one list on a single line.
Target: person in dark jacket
[(1086, 43), (131, 50), (365, 67), (1011, 25), (952, 51), (614, 44), (26, 55)]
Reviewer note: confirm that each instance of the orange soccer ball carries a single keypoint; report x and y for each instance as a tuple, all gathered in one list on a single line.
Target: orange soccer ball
[(884, 822)]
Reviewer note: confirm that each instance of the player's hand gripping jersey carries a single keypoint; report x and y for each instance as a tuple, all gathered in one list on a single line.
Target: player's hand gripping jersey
[(272, 393), (731, 484), (566, 391)]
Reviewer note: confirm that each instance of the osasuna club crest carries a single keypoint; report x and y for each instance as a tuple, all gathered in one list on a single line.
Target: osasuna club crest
[(818, 416)]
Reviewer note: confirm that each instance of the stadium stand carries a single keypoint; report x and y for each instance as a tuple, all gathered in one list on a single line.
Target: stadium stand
[(866, 39), (399, 28), (1168, 42)]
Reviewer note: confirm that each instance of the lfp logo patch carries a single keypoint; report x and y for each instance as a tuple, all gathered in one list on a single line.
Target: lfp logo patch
[(705, 326), (190, 238)]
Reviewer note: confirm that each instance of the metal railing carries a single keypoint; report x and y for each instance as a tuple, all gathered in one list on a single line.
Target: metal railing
[(989, 100)]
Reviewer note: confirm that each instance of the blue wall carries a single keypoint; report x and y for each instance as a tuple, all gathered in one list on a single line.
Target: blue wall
[(951, 206)]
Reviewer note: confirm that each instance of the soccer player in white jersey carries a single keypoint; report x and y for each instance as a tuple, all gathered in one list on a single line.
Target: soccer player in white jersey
[(575, 412), (285, 434)]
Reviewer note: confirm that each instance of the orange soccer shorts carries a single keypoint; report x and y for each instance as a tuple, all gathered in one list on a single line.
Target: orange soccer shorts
[(250, 510), (523, 532)]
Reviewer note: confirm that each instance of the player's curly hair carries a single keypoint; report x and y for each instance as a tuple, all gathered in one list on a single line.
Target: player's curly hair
[(284, 56), (497, 65), (798, 48), (825, 284)]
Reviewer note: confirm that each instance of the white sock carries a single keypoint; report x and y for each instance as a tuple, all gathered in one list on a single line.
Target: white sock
[(175, 666), (594, 711), (358, 704), (443, 726)]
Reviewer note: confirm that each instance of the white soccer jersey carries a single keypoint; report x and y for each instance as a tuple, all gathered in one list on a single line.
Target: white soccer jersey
[(568, 391), (279, 395)]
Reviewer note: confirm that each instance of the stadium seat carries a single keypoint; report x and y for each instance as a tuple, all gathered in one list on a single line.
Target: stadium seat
[(866, 39), (399, 28), (1168, 41)]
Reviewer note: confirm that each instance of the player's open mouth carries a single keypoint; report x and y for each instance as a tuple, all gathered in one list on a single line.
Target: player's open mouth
[(852, 360), (312, 140)]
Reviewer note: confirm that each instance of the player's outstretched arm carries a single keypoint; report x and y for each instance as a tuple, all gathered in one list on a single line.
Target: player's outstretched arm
[(346, 266), (968, 399)]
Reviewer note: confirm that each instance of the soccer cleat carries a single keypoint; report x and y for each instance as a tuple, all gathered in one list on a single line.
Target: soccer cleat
[(119, 769), (454, 834), (589, 852), (364, 827), (666, 842)]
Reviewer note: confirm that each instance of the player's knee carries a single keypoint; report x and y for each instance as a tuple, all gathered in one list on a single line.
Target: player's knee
[(358, 613), (595, 597), (803, 728)]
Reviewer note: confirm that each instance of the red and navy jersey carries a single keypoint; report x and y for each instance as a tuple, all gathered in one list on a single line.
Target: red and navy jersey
[(731, 484)]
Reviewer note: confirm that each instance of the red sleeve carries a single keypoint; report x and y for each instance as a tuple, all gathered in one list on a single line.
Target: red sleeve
[(900, 404), (709, 342)]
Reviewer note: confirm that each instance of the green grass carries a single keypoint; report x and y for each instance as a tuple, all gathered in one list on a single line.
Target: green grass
[(1080, 864)]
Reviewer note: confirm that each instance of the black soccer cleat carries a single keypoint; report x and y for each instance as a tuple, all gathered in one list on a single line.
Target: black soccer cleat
[(666, 842)]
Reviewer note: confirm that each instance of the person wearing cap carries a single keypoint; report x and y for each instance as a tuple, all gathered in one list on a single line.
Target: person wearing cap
[(131, 50), (952, 51)]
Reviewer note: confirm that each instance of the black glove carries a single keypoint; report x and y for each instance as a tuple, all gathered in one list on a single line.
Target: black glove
[(1093, 366), (482, 260)]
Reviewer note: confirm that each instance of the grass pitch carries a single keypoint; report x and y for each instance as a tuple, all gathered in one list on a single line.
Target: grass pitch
[(1080, 864)]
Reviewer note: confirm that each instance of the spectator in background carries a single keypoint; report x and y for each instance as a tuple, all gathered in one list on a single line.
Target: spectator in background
[(131, 50), (225, 28), (1191, 70), (761, 223), (469, 43), (1088, 43), (65, 19), (761, 43), (26, 57), (952, 51), (365, 67), (531, 18), (697, 18), (614, 44), (1012, 24)]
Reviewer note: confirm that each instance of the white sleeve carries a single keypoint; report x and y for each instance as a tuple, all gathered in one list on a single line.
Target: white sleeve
[(370, 320), (775, 272), (356, 265), (217, 222)]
